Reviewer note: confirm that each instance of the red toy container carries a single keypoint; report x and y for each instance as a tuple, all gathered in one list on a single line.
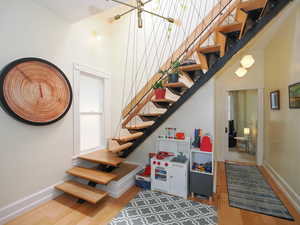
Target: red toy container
[(206, 144), (180, 136)]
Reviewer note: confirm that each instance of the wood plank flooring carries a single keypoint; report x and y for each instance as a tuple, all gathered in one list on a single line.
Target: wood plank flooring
[(65, 211)]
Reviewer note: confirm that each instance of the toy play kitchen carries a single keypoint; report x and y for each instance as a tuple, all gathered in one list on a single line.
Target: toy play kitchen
[(169, 167)]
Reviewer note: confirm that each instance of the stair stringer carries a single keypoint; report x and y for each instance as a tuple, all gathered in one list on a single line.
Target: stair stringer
[(220, 63)]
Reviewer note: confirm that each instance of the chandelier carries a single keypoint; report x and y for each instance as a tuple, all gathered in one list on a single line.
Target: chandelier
[(140, 9)]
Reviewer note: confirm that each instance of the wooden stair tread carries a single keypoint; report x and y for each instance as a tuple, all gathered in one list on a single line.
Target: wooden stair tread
[(252, 5), (151, 114), (82, 191), (209, 49), (94, 175), (175, 85), (103, 157), (191, 67), (128, 137), (121, 147), (140, 126), (230, 27), (163, 100)]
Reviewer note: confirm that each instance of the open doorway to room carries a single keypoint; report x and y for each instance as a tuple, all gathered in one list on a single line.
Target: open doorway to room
[(242, 111)]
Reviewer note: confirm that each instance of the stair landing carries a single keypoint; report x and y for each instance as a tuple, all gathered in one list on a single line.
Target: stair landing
[(103, 157)]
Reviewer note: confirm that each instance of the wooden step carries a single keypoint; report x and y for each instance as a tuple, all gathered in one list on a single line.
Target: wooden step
[(121, 148), (82, 191), (203, 60), (230, 28), (175, 85), (149, 116), (140, 126), (221, 40), (103, 157), (162, 103), (209, 49), (128, 137), (252, 5), (94, 175), (190, 67)]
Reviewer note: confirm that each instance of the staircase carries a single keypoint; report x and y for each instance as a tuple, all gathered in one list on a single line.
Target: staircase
[(249, 18)]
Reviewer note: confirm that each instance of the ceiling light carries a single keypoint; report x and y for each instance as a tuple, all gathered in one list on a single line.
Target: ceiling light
[(247, 61), (240, 72)]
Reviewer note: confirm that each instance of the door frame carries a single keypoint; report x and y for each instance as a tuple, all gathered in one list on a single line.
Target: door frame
[(260, 124)]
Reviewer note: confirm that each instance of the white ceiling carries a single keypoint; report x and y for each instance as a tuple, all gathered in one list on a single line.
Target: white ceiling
[(75, 10)]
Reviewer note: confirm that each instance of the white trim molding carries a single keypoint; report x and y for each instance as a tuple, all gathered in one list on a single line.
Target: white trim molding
[(21, 206), (77, 69), (291, 194)]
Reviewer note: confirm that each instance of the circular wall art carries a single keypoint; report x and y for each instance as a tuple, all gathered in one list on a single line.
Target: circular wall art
[(35, 91)]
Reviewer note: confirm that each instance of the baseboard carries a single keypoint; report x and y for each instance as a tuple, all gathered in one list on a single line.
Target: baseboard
[(21, 206), (293, 197)]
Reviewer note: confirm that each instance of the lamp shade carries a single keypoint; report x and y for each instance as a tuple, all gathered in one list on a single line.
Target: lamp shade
[(247, 61), (246, 131), (241, 72)]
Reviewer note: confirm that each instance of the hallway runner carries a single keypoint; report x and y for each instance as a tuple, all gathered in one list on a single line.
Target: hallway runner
[(248, 189)]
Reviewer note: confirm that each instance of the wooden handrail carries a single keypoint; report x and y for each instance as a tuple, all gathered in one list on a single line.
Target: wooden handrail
[(190, 40)]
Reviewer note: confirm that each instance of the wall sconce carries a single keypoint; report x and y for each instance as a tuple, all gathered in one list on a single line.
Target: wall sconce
[(246, 131), (241, 72), (247, 61)]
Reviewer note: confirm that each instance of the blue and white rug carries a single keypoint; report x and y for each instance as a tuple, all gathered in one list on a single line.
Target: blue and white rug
[(248, 189), (154, 208)]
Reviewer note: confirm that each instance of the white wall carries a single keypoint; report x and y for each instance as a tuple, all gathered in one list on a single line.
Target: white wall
[(197, 112), (32, 158)]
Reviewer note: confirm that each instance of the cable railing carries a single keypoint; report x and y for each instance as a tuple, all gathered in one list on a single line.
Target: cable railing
[(201, 33)]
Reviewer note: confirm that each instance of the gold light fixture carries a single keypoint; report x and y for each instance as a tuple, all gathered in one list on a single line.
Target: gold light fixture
[(140, 9), (246, 131)]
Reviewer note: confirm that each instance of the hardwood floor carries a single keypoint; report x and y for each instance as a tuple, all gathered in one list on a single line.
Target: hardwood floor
[(233, 216), (65, 211)]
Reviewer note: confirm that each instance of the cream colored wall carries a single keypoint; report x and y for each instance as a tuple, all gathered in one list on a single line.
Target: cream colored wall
[(33, 158), (282, 127)]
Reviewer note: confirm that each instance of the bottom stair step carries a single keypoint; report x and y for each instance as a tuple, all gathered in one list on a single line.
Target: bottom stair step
[(94, 175), (82, 191)]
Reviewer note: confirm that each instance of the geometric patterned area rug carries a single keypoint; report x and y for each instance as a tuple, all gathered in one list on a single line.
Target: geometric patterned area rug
[(248, 189), (155, 208)]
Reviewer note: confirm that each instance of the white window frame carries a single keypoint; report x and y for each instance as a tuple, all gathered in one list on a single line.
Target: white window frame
[(77, 70)]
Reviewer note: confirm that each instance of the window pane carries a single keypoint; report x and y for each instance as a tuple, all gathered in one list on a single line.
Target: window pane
[(91, 133), (91, 93)]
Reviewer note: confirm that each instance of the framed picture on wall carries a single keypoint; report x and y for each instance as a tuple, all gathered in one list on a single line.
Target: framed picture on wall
[(294, 96), (275, 100)]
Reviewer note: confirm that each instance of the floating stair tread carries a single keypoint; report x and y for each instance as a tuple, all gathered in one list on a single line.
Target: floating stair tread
[(140, 126), (128, 137), (191, 67), (94, 175), (230, 27), (82, 191), (175, 85), (163, 100), (151, 114), (121, 147), (209, 49), (103, 157), (252, 5)]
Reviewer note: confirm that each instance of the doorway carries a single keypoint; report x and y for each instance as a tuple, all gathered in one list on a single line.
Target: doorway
[(242, 127)]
